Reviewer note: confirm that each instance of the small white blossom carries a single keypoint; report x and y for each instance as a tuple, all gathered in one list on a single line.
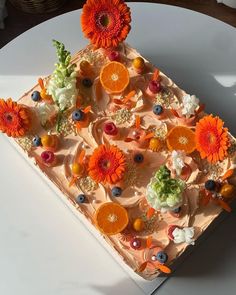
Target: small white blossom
[(184, 235), (65, 96), (46, 111), (190, 103), (178, 161)]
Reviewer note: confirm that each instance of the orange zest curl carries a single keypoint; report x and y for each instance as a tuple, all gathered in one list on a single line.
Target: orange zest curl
[(156, 74), (106, 22), (159, 266), (107, 164), (43, 92), (14, 118), (137, 122), (212, 140), (129, 96), (85, 122)]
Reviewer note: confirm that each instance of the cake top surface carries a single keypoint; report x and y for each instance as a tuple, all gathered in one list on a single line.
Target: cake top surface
[(137, 156)]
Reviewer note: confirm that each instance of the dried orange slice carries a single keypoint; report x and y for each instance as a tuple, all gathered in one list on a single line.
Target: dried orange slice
[(111, 218), (181, 138), (114, 77)]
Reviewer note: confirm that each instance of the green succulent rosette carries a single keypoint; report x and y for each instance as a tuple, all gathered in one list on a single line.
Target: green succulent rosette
[(164, 192)]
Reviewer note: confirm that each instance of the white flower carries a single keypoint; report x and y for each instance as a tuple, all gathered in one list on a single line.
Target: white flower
[(178, 161), (189, 105), (46, 111), (65, 97), (184, 235)]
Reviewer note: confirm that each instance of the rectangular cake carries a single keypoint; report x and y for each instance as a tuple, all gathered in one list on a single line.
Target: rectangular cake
[(133, 153)]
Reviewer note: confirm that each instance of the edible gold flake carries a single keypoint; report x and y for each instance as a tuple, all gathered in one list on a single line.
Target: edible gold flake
[(161, 132), (130, 176), (151, 224), (26, 143), (122, 116), (66, 126), (212, 170), (164, 97), (95, 58), (87, 184)]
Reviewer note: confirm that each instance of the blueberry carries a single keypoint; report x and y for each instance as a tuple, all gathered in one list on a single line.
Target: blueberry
[(176, 210), (80, 198), (87, 82), (210, 185), (138, 158), (116, 191), (35, 96), (162, 257), (157, 109), (37, 141), (78, 115)]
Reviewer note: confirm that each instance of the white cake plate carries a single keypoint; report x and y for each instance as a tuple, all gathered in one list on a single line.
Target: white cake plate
[(44, 248)]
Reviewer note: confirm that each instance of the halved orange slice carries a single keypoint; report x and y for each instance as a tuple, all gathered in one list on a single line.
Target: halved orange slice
[(114, 77), (111, 218), (181, 138)]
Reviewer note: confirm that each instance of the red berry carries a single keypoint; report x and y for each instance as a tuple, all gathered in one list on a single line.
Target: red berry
[(135, 243), (48, 157), (154, 86), (114, 56), (170, 231), (110, 128)]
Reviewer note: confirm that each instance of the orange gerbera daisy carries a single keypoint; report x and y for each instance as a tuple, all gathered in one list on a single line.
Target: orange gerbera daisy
[(14, 118), (107, 164), (105, 22), (212, 140)]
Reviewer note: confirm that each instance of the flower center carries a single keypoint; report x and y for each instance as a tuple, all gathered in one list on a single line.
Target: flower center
[(211, 138), (8, 117), (104, 20), (105, 164), (183, 140), (112, 218)]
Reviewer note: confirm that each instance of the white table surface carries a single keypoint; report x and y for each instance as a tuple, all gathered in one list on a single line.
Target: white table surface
[(44, 248)]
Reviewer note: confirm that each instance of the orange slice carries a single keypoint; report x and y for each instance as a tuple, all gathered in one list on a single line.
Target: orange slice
[(114, 77), (111, 218), (181, 138)]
